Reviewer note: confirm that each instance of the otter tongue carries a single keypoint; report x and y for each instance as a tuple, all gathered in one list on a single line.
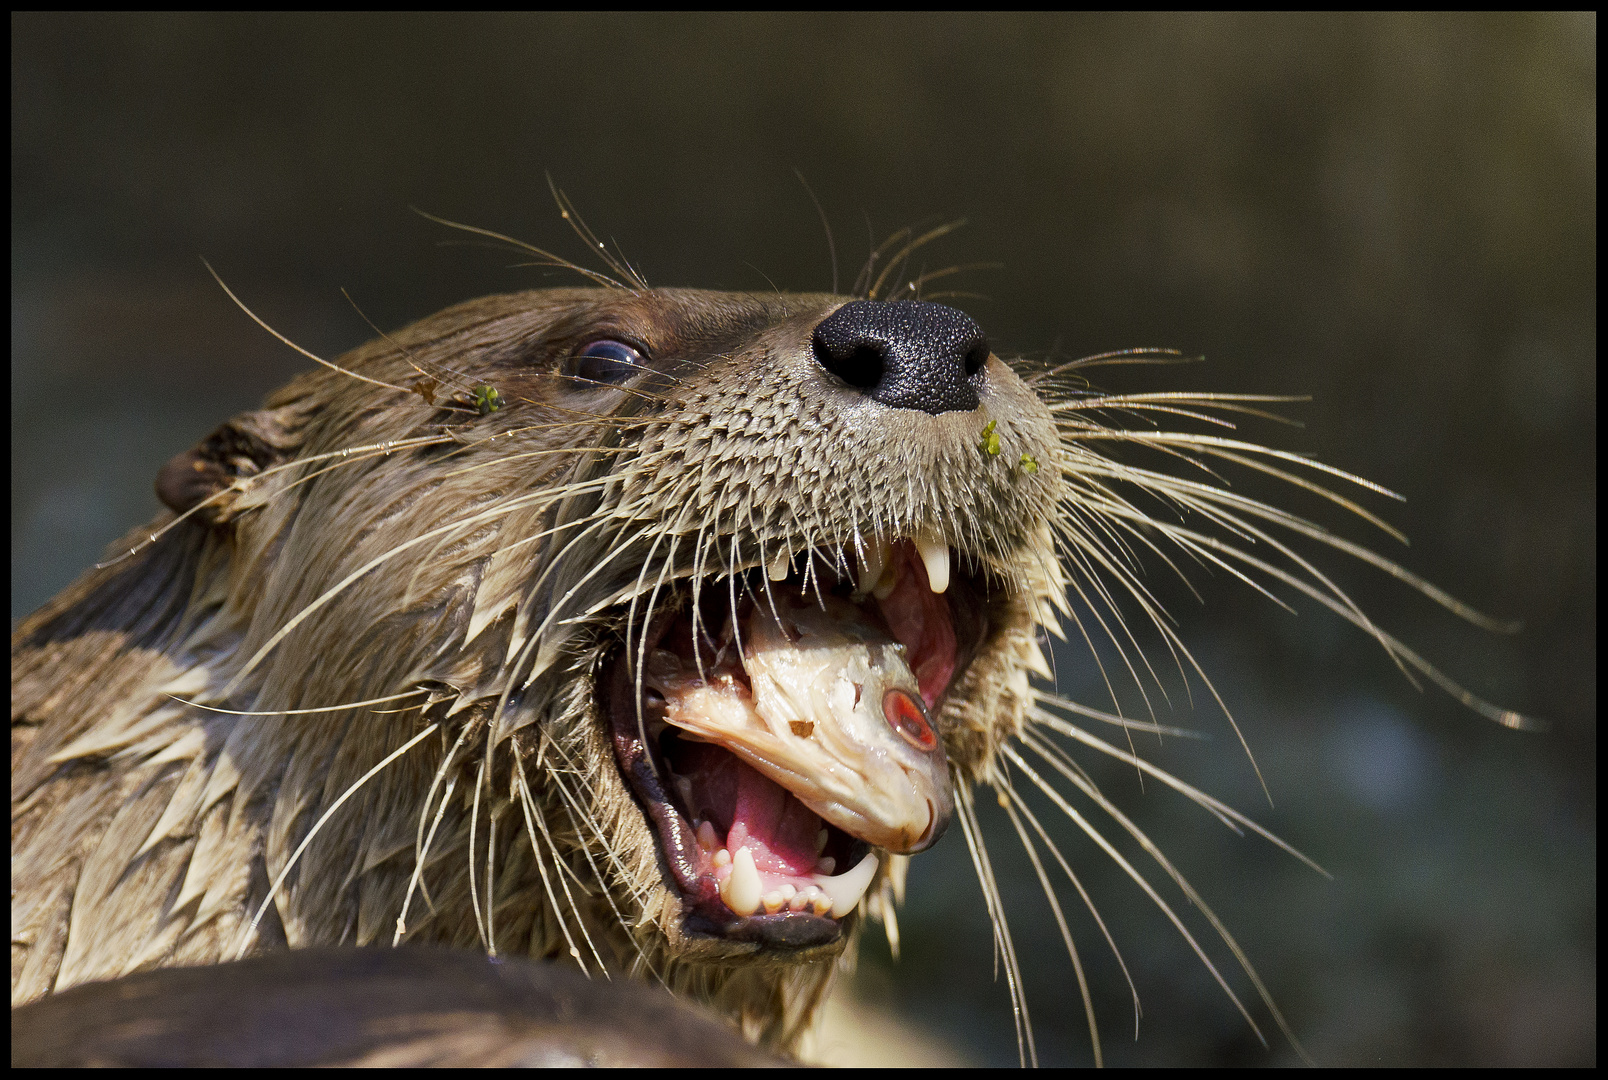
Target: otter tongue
[(753, 810), (776, 828)]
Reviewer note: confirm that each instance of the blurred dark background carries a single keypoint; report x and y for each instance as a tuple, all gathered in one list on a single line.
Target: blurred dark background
[(1394, 214)]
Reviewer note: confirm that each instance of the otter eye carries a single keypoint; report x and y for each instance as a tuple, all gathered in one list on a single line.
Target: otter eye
[(607, 361)]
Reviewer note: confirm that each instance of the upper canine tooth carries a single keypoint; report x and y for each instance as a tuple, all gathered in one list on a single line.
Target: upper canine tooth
[(890, 579), (778, 567), (847, 888), (874, 558), (935, 557)]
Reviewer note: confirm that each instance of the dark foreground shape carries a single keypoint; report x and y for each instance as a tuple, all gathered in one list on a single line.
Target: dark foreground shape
[(371, 1007)]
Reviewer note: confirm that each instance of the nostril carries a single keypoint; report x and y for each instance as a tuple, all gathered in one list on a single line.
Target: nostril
[(861, 365), (976, 358)]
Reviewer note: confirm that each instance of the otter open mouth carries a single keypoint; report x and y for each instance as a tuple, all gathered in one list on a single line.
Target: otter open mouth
[(782, 734)]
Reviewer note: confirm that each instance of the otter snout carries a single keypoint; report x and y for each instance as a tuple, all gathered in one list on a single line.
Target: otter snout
[(907, 355)]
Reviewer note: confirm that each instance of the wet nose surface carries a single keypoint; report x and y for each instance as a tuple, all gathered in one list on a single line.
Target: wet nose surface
[(907, 355)]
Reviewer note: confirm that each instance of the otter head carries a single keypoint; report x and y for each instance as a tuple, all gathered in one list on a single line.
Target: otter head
[(649, 629), (712, 606)]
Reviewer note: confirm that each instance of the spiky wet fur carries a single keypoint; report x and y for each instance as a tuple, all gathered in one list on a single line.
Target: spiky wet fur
[(398, 605)]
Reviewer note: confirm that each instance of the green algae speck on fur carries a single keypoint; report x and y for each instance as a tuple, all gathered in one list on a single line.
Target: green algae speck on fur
[(989, 443), (487, 399)]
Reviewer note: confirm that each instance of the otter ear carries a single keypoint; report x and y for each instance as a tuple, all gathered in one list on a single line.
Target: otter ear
[(240, 448)]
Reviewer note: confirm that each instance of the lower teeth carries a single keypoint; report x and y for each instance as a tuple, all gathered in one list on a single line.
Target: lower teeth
[(835, 896)]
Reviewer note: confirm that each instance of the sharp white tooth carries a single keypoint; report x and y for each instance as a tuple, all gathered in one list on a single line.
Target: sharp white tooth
[(787, 890), (935, 557), (889, 580), (741, 890), (778, 567), (874, 560), (846, 889), (706, 836)]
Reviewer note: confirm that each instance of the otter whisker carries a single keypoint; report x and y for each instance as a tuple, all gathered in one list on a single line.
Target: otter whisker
[(732, 579), (906, 251), (351, 789), (1393, 646), (243, 484), (572, 809), (1183, 438), (1120, 530), (379, 560), (1021, 806), (1372, 558), (421, 843), (491, 866), (1163, 486), (558, 608), (1010, 801), (569, 451), (303, 712), (1117, 357), (1056, 701), (957, 294), (1230, 817), (1333, 595), (642, 643), (474, 819), (285, 340), (423, 859), (1026, 1051), (959, 268), (465, 383), (1139, 526), (1189, 891), (1169, 401), (523, 786), (1180, 653), (568, 212), (1317, 489), (826, 226), (1077, 583), (1088, 547), (520, 245), (700, 552)]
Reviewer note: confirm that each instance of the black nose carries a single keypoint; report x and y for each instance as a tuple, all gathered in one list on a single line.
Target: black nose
[(906, 355)]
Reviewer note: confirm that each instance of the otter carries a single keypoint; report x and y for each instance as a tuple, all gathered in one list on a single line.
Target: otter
[(648, 631)]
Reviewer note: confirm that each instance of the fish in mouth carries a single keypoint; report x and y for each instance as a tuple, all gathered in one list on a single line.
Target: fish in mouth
[(779, 753)]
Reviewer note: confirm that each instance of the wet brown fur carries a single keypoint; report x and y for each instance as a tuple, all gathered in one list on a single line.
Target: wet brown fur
[(146, 831)]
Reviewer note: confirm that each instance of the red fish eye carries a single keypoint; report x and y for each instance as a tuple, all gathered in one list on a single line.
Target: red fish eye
[(908, 717)]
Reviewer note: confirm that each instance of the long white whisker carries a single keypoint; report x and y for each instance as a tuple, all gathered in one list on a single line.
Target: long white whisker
[(421, 843), (1008, 793), (523, 787), (1088, 902), (474, 819), (1189, 891), (1026, 1051), (352, 789)]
